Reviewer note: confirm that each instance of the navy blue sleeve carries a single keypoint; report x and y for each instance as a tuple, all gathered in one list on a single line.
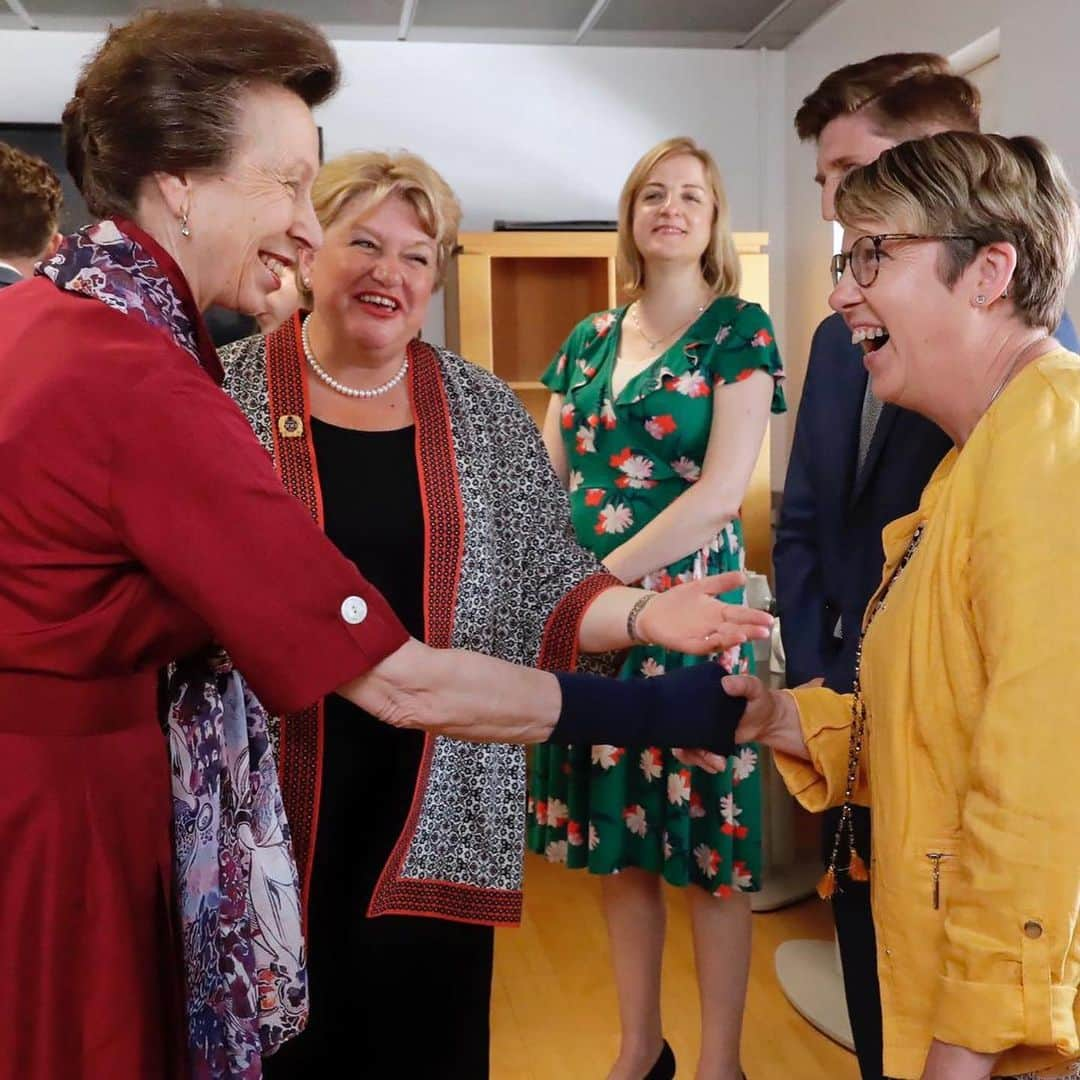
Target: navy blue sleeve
[(1066, 334), (800, 589), (686, 708)]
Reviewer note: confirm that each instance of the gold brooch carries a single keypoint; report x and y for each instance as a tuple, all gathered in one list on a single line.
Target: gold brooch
[(290, 426)]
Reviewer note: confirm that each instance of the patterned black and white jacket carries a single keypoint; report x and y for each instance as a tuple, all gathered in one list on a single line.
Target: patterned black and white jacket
[(505, 577)]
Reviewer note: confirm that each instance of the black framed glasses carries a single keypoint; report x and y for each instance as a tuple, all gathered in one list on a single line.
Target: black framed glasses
[(864, 257)]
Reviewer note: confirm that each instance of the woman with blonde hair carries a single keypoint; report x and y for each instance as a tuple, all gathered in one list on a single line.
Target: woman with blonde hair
[(656, 419), (962, 727), (425, 470)]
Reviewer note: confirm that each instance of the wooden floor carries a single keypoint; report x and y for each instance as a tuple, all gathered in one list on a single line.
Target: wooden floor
[(554, 1013)]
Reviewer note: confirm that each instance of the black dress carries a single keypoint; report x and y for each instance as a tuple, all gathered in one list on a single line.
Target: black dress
[(394, 995)]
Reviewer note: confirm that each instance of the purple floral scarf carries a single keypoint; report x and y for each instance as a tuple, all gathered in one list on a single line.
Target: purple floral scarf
[(103, 262), (237, 888)]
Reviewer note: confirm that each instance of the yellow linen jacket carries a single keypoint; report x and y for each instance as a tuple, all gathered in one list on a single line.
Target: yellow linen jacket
[(971, 677)]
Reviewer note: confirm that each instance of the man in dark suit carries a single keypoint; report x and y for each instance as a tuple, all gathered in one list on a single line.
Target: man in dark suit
[(30, 198), (856, 464)]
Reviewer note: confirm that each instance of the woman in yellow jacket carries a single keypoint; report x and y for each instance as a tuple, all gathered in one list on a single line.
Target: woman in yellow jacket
[(965, 726)]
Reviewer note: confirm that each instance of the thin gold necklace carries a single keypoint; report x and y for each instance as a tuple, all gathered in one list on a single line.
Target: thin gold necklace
[(1015, 366), (656, 344)]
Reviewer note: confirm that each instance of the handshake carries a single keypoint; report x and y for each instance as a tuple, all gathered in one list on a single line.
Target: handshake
[(469, 696), (699, 706)]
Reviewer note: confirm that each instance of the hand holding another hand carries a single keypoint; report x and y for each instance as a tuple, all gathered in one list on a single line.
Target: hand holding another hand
[(771, 716)]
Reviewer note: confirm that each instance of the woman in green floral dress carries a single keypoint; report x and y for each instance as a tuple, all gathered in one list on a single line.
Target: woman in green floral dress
[(656, 438)]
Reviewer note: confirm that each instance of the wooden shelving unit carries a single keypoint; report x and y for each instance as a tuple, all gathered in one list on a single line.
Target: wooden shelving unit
[(512, 298)]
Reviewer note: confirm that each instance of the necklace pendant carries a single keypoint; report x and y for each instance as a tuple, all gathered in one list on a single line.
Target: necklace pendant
[(656, 344)]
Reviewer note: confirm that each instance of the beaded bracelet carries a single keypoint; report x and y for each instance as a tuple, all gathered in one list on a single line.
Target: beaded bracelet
[(631, 620)]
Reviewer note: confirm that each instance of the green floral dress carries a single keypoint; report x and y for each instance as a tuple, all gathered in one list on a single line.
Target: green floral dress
[(630, 457)]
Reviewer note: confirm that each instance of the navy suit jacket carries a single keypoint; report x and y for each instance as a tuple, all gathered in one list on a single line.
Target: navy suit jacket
[(828, 554)]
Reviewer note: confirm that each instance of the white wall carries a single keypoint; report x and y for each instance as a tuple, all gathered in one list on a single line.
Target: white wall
[(1040, 46), (520, 131), (550, 132), (1040, 51)]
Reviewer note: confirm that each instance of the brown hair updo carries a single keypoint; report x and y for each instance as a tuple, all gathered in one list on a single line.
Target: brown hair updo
[(161, 94)]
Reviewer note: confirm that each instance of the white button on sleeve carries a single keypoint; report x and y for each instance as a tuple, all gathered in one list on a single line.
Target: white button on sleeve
[(353, 610)]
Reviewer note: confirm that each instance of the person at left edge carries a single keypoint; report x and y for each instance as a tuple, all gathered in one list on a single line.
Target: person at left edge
[(140, 519), (30, 199)]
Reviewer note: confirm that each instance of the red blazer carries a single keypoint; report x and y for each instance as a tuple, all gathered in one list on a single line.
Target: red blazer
[(139, 518)]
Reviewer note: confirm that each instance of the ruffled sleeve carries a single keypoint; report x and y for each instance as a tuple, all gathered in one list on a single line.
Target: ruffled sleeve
[(744, 342), (575, 360), (557, 375)]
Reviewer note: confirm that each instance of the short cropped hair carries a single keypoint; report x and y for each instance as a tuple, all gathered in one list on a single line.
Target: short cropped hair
[(30, 198), (162, 94), (371, 177), (719, 262), (906, 95), (984, 187)]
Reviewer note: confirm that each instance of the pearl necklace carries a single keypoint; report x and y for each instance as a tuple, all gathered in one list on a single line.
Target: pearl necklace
[(656, 343), (340, 387)]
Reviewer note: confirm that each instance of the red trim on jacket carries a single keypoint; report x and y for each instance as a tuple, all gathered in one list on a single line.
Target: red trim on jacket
[(559, 648), (301, 740), (300, 744)]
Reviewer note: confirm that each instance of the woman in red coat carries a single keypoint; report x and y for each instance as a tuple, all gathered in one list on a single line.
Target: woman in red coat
[(140, 520)]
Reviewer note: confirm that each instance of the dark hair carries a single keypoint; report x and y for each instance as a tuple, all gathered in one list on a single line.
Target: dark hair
[(30, 198), (161, 94), (905, 94)]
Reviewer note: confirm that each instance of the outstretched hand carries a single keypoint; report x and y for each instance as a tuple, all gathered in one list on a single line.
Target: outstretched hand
[(688, 618)]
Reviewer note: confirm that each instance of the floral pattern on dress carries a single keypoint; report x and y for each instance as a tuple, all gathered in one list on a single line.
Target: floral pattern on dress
[(630, 456)]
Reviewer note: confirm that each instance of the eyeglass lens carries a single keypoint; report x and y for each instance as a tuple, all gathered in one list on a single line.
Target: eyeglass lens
[(863, 260)]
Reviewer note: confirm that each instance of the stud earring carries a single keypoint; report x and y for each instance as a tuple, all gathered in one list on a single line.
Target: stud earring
[(980, 299), (184, 230)]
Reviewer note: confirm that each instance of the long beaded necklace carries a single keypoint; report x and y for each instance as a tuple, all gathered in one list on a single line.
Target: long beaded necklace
[(340, 387), (845, 828)]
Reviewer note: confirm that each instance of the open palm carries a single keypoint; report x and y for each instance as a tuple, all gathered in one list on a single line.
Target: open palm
[(689, 618)]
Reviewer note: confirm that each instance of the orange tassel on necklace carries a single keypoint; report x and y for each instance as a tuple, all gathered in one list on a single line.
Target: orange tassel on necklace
[(826, 887), (856, 870)]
